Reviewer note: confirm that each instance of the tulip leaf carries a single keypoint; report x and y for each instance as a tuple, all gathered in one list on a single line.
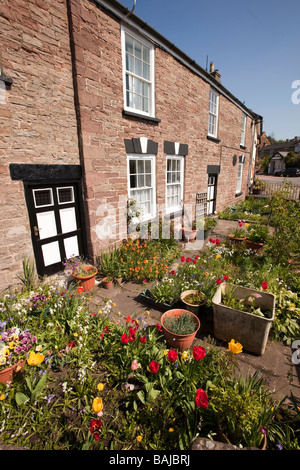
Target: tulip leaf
[(21, 398)]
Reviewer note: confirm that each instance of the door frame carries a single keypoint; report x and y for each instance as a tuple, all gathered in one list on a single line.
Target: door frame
[(45, 176), (37, 243)]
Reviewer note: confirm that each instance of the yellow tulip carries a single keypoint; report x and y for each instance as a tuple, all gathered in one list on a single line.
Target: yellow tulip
[(97, 405), (35, 358), (184, 356), (235, 347)]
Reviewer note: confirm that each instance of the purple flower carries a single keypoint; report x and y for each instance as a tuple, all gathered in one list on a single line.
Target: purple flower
[(263, 430)]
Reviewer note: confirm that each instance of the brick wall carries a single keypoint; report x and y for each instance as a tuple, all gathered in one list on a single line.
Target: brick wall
[(181, 105), (38, 119), (37, 115)]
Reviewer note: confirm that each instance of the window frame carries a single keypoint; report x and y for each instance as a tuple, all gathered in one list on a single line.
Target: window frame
[(144, 157), (243, 130), (215, 115), (151, 108), (180, 158)]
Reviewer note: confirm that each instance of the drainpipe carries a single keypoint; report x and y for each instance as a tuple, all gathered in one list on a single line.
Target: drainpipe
[(131, 11)]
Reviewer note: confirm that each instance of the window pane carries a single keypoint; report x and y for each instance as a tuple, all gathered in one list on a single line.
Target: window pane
[(132, 166), (42, 197), (129, 63), (138, 49), (129, 44), (146, 54), (140, 166), (147, 166), (133, 181), (138, 67), (65, 195), (141, 183), (148, 180)]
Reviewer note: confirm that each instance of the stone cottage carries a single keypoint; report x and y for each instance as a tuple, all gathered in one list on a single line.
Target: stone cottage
[(98, 108)]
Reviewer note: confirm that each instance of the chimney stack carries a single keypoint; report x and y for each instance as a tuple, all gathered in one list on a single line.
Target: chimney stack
[(214, 73)]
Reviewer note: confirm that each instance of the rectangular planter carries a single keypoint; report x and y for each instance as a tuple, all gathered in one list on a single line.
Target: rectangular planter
[(145, 298), (250, 330)]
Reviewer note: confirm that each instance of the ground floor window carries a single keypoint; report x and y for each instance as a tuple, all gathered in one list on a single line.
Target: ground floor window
[(174, 183), (238, 189), (141, 184)]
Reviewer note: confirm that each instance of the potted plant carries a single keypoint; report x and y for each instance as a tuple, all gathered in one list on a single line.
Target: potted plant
[(14, 347), (256, 236), (180, 327), (239, 235), (189, 234), (258, 186), (82, 271), (107, 282), (243, 314), (193, 300), (163, 295)]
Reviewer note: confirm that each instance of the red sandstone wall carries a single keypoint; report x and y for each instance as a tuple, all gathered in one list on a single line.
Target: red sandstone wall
[(37, 115), (181, 105)]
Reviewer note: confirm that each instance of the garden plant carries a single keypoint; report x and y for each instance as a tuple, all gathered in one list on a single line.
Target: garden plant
[(95, 379)]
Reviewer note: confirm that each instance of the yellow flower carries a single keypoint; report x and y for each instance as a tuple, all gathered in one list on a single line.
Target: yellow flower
[(100, 386), (75, 334), (12, 345), (97, 405), (38, 348), (171, 429), (235, 347), (114, 305), (218, 256), (100, 311), (2, 396), (139, 438), (165, 352), (246, 225), (35, 358), (184, 355)]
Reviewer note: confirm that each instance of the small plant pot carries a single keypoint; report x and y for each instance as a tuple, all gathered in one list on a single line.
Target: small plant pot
[(254, 245), (86, 282), (107, 284), (189, 234), (236, 240), (8, 374), (194, 308), (181, 342)]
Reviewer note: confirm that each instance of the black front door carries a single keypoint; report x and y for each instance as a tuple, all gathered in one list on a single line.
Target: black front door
[(211, 193), (55, 222)]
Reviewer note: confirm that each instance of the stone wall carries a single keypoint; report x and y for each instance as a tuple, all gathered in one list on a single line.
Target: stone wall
[(37, 114), (181, 101)]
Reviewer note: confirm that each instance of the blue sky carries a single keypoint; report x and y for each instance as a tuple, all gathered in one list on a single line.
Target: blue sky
[(255, 45)]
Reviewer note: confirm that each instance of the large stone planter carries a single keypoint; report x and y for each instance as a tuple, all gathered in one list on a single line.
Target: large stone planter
[(250, 330)]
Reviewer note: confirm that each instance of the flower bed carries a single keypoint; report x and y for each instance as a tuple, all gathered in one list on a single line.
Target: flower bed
[(93, 383)]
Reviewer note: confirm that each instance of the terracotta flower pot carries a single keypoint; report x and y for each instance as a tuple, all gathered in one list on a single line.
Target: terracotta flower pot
[(107, 284), (254, 245), (181, 342), (189, 234), (236, 240), (8, 374), (87, 282)]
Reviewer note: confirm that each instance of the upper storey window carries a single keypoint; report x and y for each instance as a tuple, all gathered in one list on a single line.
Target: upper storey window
[(138, 74), (213, 113)]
